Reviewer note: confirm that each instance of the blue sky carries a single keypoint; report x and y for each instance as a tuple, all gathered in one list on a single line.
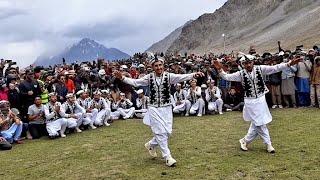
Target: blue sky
[(30, 28)]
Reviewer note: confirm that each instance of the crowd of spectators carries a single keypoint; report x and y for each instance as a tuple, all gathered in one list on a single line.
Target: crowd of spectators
[(65, 98)]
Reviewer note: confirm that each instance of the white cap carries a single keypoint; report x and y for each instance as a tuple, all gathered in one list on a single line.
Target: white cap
[(122, 94), (281, 53), (141, 66), (140, 91), (124, 66), (80, 92), (105, 91), (203, 86), (52, 94), (69, 95), (247, 58), (102, 72)]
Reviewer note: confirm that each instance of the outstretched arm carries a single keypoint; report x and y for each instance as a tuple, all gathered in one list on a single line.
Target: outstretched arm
[(228, 77), (176, 78), (279, 67), (144, 81)]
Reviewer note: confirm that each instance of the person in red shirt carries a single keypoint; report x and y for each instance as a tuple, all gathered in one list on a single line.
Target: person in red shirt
[(4, 92), (69, 81)]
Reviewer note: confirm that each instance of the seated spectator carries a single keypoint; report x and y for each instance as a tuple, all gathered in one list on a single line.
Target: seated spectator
[(55, 123), (180, 101), (11, 125), (84, 102), (194, 96), (142, 104), (125, 108), (100, 109), (4, 144), (74, 113), (37, 127), (213, 97), (233, 101)]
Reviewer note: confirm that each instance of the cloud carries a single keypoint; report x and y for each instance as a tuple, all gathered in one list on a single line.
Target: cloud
[(108, 30), (30, 28), (7, 13)]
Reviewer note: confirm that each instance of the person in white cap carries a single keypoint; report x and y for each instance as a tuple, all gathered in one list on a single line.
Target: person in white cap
[(142, 104), (255, 107), (84, 102), (100, 108), (194, 96), (74, 113), (114, 114), (54, 114), (180, 101), (213, 97), (159, 115), (125, 107)]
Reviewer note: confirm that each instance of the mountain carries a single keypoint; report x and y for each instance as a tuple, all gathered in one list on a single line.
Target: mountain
[(164, 44), (85, 50), (252, 22)]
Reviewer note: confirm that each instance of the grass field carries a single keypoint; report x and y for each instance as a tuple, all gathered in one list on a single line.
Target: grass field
[(205, 148)]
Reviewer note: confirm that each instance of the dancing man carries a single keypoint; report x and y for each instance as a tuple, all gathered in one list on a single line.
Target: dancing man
[(255, 106), (159, 116)]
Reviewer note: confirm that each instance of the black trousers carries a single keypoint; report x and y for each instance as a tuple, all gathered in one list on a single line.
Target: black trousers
[(37, 130), (5, 145)]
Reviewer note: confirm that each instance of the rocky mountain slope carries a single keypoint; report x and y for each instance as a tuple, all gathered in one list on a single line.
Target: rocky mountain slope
[(252, 22)]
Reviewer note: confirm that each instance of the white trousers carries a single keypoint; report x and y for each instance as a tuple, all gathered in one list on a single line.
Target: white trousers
[(161, 140), (185, 106), (101, 116), (140, 113), (126, 113), (115, 115), (58, 125), (88, 119), (254, 131), (215, 106), (198, 107)]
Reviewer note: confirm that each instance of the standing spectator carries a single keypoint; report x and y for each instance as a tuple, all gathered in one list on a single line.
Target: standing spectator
[(275, 82), (14, 97), (315, 83), (3, 92), (70, 81), (303, 78), (29, 89), (60, 88), (288, 87)]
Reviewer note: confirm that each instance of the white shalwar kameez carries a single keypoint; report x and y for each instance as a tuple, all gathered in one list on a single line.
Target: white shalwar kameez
[(159, 118), (256, 110), (197, 103), (142, 105), (182, 98), (213, 97), (54, 120), (101, 111)]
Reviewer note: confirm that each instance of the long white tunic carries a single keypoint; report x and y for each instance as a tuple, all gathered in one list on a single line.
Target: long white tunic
[(256, 110), (159, 118)]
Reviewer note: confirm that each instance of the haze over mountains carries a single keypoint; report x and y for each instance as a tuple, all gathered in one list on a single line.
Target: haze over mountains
[(84, 50), (248, 22)]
